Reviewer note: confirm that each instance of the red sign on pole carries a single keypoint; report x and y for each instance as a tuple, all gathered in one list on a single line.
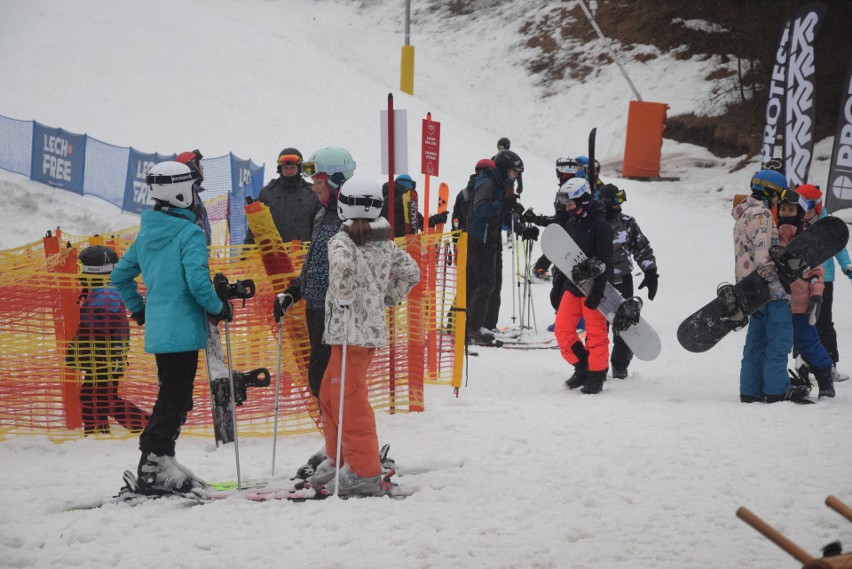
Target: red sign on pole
[(431, 146)]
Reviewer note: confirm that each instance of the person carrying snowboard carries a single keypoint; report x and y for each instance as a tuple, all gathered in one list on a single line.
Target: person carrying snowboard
[(628, 241), (171, 253), (806, 297), (367, 273), (763, 370), (586, 224), (100, 346)]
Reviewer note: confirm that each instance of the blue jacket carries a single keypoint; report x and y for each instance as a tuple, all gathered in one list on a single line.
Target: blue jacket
[(486, 209), (171, 254), (842, 258)]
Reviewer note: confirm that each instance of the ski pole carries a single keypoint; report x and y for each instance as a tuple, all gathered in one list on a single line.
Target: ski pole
[(277, 384), (233, 408), (337, 453)]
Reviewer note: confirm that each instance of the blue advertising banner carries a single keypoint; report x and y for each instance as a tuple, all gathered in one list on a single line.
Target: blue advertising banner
[(59, 158), (136, 196), (246, 181)]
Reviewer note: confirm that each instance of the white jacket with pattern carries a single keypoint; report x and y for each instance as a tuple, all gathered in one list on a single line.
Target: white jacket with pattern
[(375, 275)]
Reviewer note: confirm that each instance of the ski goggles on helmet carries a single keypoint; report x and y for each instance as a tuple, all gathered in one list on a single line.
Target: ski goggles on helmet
[(617, 198), (312, 168), (563, 198), (289, 160)]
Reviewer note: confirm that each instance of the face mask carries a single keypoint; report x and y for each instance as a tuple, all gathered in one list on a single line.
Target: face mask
[(792, 220), (612, 213)]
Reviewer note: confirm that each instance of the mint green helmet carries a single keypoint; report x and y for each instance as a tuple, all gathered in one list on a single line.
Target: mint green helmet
[(333, 161)]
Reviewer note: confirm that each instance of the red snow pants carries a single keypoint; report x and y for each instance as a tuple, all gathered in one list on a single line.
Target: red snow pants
[(571, 309), (360, 444)]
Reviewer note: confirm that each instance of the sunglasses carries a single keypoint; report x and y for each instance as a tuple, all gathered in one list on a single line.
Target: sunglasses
[(289, 160)]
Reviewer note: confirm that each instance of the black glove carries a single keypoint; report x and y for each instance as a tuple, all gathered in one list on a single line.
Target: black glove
[(509, 202), (139, 317), (280, 305), (227, 313), (594, 299), (814, 307), (529, 216), (530, 233), (848, 271), (438, 218), (651, 280)]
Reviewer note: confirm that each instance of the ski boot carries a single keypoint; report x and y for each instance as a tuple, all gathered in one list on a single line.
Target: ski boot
[(307, 470), (594, 382), (163, 474), (732, 312), (627, 314), (824, 381), (581, 368)]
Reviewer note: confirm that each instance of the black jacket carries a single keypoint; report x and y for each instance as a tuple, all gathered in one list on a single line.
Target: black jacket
[(592, 233), (293, 206)]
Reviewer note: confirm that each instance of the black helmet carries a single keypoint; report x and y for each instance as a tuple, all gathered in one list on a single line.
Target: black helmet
[(290, 155), (504, 144), (507, 160), (611, 195), (97, 260)]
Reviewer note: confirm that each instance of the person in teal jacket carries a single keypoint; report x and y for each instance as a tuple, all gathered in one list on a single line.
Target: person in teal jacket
[(170, 252)]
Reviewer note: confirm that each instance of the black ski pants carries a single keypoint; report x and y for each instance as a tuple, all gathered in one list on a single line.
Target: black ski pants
[(481, 283), (825, 325), (621, 354), (320, 353), (175, 375)]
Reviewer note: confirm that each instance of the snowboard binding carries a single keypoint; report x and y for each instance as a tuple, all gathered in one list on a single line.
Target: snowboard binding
[(587, 270), (245, 379), (733, 311), (627, 314), (789, 265)]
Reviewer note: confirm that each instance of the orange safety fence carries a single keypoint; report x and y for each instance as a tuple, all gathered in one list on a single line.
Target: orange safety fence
[(41, 386)]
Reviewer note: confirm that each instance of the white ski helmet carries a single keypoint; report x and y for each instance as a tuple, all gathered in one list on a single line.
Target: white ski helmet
[(360, 198), (170, 183), (576, 190), (333, 161)]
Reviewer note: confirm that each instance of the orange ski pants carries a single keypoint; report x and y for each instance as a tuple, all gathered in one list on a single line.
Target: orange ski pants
[(571, 309), (360, 444)]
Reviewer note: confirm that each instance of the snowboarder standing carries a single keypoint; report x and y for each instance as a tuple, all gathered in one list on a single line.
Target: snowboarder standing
[(171, 254), (100, 346), (587, 226), (628, 241), (806, 296), (368, 273), (763, 371)]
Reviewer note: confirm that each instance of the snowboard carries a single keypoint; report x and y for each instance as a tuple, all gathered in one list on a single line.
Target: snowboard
[(563, 252), (734, 303)]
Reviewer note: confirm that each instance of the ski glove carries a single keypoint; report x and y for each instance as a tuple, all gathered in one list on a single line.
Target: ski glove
[(139, 316), (530, 233), (594, 299), (438, 218), (848, 271), (281, 304), (814, 307), (227, 313), (651, 280)]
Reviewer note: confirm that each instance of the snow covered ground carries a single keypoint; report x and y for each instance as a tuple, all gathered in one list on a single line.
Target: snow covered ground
[(517, 471)]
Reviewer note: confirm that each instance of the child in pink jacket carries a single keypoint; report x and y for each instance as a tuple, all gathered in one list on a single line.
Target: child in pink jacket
[(806, 297)]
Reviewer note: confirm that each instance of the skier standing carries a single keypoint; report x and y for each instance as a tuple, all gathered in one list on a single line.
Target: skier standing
[(806, 296), (100, 346), (328, 167), (171, 253), (763, 372), (461, 207), (628, 241), (825, 325), (368, 273), (291, 202), (586, 224)]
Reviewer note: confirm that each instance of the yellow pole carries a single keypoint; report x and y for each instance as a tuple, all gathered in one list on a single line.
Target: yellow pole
[(406, 73)]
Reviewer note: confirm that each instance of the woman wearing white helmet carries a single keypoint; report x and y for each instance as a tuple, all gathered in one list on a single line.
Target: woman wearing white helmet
[(170, 252), (368, 273)]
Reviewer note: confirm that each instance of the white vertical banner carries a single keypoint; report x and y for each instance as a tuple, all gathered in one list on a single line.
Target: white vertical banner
[(400, 141)]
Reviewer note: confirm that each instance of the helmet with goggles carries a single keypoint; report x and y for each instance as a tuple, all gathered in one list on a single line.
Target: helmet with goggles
[(333, 161), (360, 198)]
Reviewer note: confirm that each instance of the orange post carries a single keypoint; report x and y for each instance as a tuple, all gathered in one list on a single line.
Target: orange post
[(644, 141)]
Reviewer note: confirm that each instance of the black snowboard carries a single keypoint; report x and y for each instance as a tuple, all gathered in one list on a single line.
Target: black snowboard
[(712, 322)]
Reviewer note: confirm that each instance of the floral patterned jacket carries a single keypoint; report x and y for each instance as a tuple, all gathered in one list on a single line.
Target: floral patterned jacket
[(754, 233), (375, 275)]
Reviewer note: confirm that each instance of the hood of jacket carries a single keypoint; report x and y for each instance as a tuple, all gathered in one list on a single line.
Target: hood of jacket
[(161, 227), (748, 203)]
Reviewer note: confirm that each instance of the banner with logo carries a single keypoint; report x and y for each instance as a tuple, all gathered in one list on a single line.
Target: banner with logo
[(136, 195), (246, 181), (839, 193), (772, 130), (59, 158), (799, 107)]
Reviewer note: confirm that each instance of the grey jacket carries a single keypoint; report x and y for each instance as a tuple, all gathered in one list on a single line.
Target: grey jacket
[(628, 240), (292, 205)]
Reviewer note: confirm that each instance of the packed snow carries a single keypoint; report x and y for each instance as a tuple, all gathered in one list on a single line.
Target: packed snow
[(515, 472)]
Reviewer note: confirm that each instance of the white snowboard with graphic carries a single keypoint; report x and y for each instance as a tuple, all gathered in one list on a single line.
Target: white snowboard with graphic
[(563, 252)]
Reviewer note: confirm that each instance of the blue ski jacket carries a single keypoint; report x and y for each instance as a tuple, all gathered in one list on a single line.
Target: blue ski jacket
[(170, 253)]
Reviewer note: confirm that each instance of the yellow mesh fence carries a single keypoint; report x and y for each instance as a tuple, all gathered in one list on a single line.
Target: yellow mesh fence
[(57, 380)]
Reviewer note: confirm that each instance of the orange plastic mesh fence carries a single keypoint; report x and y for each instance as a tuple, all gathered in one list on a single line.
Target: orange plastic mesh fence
[(56, 381)]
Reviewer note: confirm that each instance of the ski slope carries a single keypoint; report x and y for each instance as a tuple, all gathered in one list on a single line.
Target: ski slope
[(515, 472)]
